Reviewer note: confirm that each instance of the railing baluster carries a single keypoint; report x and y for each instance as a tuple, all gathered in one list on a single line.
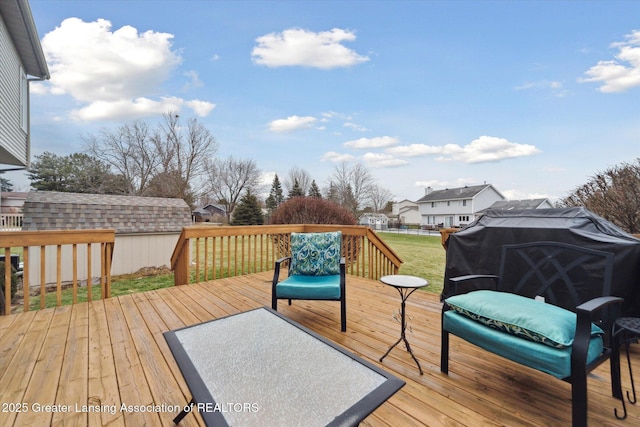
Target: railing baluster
[(89, 281), (75, 273), (26, 290), (43, 290)]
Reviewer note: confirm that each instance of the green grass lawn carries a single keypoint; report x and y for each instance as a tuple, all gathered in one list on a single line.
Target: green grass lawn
[(423, 256)]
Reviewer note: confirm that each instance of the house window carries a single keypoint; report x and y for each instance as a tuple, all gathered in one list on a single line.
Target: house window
[(24, 101), (433, 204), (448, 203), (463, 218), (464, 202)]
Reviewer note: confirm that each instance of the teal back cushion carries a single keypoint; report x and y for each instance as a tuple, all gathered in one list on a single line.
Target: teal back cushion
[(315, 254), (521, 316)]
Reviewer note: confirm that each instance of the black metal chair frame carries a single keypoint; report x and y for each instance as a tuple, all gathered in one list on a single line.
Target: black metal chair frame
[(601, 310), (342, 299)]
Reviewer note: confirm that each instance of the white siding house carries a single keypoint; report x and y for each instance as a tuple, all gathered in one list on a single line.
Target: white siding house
[(456, 207), (21, 61), (405, 212)]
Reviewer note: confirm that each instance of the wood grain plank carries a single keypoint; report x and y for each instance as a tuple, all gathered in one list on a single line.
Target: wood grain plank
[(72, 391), (102, 382), (45, 379), (132, 383)]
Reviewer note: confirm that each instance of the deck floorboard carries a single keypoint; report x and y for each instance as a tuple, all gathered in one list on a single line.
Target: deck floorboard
[(105, 354)]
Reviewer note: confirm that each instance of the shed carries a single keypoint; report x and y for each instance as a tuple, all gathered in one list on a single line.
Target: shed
[(476, 248), (377, 221), (147, 228)]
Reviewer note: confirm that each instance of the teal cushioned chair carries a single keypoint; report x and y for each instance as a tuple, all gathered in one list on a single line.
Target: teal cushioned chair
[(316, 271), (567, 341)]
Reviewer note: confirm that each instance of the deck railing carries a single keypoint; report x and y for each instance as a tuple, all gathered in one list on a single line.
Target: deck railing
[(41, 251), (211, 252), (11, 222)]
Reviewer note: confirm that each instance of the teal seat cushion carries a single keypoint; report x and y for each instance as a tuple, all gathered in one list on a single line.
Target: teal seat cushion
[(552, 360), (315, 254), (309, 287), (520, 316)]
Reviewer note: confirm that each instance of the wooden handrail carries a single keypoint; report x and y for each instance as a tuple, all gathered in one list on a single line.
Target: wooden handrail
[(205, 252), (66, 249)]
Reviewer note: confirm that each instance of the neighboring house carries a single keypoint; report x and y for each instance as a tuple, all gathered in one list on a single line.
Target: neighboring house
[(200, 215), (508, 205), (21, 61), (147, 228), (11, 204), (210, 213), (456, 207), (377, 221), (405, 212)]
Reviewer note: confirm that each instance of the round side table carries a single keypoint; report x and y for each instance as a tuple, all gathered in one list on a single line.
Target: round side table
[(405, 285)]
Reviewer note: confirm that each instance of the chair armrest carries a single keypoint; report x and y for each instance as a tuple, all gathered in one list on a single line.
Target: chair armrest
[(276, 272), (595, 304), (457, 281), (281, 260), (585, 313)]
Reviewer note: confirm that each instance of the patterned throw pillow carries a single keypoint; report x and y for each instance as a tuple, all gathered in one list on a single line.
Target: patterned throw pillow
[(521, 316), (315, 254)]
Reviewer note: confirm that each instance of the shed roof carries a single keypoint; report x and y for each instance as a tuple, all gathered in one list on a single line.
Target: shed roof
[(45, 210)]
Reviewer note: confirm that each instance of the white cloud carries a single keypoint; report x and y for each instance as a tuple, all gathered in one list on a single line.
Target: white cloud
[(556, 88), (334, 157), (194, 80), (111, 73), (378, 142), (382, 160), (298, 47), (438, 185), (291, 123), (614, 75), (481, 150), (355, 126)]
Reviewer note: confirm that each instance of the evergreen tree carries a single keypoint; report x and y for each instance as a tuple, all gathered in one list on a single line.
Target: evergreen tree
[(295, 191), (248, 211), (314, 191), (5, 184), (276, 197)]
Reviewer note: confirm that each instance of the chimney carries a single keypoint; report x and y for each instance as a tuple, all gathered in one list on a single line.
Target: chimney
[(427, 190)]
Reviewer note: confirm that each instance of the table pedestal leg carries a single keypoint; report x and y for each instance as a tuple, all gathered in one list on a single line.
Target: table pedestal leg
[(403, 328)]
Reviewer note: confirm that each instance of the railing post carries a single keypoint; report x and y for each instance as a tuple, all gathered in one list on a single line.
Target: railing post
[(182, 263)]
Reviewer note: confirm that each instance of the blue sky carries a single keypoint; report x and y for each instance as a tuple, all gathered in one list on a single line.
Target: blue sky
[(532, 97)]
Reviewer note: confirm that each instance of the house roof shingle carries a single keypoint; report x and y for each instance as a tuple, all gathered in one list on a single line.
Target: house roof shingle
[(454, 193), (44, 210)]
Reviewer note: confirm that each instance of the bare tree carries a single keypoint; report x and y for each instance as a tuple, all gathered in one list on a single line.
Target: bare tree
[(613, 194), (184, 152), (351, 185), (303, 178), (379, 197), (170, 152), (129, 151), (228, 180)]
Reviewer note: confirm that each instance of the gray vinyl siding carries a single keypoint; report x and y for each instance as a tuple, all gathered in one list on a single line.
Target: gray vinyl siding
[(13, 139)]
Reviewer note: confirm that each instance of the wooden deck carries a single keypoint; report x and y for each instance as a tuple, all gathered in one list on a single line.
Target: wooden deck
[(88, 359)]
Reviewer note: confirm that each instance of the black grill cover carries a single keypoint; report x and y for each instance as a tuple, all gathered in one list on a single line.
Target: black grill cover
[(476, 249)]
